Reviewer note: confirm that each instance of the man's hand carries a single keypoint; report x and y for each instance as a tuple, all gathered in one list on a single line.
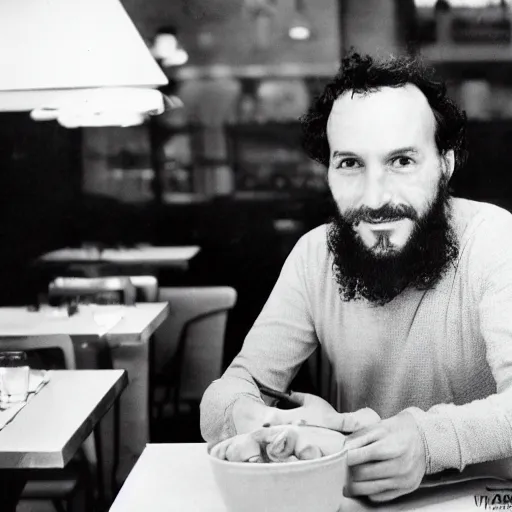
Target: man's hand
[(314, 410), (386, 460), (248, 414), (281, 443)]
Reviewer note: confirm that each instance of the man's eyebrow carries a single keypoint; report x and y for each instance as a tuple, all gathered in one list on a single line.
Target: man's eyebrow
[(395, 152), (337, 154), (401, 151)]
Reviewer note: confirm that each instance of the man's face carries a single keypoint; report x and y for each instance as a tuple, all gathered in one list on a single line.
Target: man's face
[(384, 169)]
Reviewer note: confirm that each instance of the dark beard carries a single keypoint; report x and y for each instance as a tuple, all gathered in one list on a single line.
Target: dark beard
[(379, 278)]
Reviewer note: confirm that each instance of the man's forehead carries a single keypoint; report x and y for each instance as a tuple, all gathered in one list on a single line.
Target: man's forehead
[(386, 113), (407, 95)]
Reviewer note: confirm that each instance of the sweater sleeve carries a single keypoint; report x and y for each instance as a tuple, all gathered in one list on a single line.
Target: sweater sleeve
[(281, 339), (480, 431)]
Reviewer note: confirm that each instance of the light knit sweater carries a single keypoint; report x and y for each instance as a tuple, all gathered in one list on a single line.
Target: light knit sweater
[(444, 354)]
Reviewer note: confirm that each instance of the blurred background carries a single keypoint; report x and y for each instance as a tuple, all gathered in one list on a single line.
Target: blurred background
[(227, 172)]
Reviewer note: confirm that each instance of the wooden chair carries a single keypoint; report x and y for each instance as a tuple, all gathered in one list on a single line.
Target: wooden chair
[(188, 347), (58, 486)]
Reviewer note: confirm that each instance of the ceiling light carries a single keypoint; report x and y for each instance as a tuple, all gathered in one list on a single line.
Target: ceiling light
[(109, 106), (167, 49), (299, 32), (53, 49), (98, 119), (300, 26)]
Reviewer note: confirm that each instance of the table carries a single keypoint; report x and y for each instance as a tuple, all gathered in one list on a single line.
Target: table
[(177, 257), (48, 431), (172, 477), (120, 325), (128, 336)]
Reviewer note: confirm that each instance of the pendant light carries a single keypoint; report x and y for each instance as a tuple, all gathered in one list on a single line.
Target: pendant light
[(300, 26), (79, 62), (167, 49)]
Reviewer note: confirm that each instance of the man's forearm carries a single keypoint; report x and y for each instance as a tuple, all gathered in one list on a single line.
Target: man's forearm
[(217, 422), (459, 435)]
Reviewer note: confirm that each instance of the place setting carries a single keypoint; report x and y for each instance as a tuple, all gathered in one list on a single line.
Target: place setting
[(18, 384)]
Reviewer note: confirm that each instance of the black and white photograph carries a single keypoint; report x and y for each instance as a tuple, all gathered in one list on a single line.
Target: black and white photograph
[(255, 255)]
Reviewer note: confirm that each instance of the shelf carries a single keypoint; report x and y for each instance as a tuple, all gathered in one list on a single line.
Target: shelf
[(255, 127), (274, 133), (451, 67), (183, 198), (468, 53), (285, 70)]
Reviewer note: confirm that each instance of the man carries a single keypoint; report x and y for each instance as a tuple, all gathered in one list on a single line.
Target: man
[(408, 291)]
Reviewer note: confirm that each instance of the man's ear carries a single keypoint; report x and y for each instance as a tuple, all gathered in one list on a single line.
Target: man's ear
[(448, 163)]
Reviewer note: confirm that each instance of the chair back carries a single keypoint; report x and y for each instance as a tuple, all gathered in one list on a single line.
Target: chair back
[(146, 288), (92, 287), (56, 341), (189, 345)]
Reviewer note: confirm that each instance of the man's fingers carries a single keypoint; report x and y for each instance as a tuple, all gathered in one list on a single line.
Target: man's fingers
[(373, 487), (370, 452), (362, 438), (326, 442), (267, 434), (219, 450), (386, 495), (309, 452), (375, 470), (282, 445), (243, 451), (237, 449), (353, 421)]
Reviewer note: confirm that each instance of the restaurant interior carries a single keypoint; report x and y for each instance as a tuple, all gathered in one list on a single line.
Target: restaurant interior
[(217, 177)]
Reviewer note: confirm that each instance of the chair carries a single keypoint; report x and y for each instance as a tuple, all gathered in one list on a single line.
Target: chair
[(98, 354), (146, 288), (59, 486), (97, 289), (133, 288), (188, 346)]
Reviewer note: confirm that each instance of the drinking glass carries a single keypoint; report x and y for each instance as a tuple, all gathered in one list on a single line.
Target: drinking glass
[(14, 377)]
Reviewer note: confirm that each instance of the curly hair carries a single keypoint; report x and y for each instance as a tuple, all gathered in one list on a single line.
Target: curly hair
[(363, 74)]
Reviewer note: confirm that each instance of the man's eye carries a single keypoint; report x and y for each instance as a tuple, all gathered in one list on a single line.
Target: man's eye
[(402, 161), (349, 163)]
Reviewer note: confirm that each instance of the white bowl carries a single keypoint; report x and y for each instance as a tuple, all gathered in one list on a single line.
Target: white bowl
[(302, 486)]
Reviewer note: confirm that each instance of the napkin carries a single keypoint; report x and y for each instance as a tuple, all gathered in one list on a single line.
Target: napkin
[(106, 320), (37, 380)]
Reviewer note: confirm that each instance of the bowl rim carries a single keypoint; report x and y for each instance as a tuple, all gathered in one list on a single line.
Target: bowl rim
[(333, 457)]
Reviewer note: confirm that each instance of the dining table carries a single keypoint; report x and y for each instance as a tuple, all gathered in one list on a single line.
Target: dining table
[(178, 477), (127, 330), (51, 427), (119, 324), (146, 256)]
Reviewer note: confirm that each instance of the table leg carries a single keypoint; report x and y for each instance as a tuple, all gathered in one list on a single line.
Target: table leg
[(11, 486), (134, 428)]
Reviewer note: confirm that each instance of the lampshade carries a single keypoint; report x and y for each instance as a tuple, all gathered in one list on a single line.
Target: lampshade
[(109, 106), (54, 52)]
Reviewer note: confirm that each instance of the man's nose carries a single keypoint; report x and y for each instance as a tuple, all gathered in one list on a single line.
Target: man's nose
[(376, 188)]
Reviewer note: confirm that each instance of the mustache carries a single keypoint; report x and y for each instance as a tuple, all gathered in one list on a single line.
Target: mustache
[(386, 213)]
